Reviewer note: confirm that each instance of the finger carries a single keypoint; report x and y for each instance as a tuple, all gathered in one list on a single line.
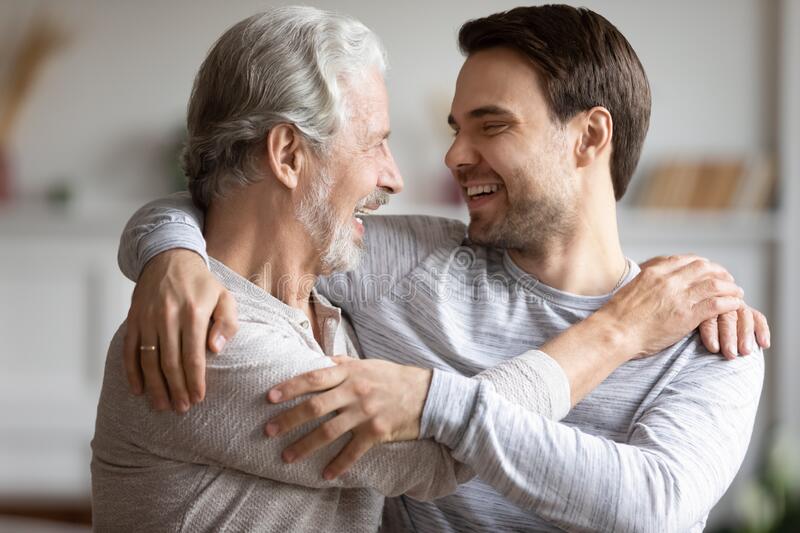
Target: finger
[(761, 329), (715, 306), (314, 381), (744, 330), (727, 334), (193, 354), (130, 357), (709, 287), (154, 383), (322, 436), (311, 409), (171, 366), (225, 322), (709, 334), (352, 452), (665, 264), (341, 359), (700, 269)]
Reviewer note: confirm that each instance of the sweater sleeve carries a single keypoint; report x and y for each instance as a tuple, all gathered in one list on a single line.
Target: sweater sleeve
[(227, 428), (681, 454), (161, 225)]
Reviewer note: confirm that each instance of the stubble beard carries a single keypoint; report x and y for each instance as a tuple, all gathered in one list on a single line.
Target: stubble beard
[(537, 215)]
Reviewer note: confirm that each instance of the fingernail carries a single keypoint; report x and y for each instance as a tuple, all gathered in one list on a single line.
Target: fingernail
[(272, 429), (220, 342), (328, 474), (714, 346), (182, 406), (196, 397), (287, 456), (275, 395), (137, 390)]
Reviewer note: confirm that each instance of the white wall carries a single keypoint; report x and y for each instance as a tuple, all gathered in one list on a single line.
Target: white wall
[(106, 107)]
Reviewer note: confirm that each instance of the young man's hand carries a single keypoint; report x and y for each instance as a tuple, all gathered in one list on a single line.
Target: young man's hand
[(178, 308), (377, 400)]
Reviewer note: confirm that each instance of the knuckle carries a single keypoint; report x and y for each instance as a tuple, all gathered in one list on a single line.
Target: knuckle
[(165, 313), (193, 363), (169, 366), (328, 431), (698, 264), (314, 378), (362, 389), (370, 408), (314, 407), (195, 313), (377, 428)]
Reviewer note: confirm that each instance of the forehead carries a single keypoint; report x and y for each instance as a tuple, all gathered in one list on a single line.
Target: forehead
[(367, 103), (499, 77)]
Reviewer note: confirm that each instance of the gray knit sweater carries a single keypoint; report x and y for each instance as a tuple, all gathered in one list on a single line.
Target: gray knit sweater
[(212, 469)]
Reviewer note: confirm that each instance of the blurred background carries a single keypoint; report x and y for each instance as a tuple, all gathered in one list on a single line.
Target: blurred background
[(92, 103)]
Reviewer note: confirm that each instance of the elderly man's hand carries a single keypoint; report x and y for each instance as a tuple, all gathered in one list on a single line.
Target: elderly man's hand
[(174, 301), (378, 401), (674, 295)]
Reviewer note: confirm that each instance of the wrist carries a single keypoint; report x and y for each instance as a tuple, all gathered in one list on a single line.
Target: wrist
[(611, 336)]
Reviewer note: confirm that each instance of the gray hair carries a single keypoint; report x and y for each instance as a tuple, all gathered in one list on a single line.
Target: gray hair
[(281, 66)]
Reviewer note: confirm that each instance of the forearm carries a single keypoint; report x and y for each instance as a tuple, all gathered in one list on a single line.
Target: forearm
[(551, 380), (576, 481), (227, 430), (161, 225), (588, 352), (680, 458)]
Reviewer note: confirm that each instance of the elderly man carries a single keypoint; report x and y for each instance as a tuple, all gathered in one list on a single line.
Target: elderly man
[(542, 150)]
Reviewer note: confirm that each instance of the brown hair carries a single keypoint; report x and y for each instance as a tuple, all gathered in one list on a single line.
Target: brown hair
[(584, 61)]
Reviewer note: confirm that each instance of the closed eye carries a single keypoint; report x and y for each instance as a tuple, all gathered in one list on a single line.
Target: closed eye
[(494, 127)]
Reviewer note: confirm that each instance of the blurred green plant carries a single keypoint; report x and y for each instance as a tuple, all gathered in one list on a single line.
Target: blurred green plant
[(771, 502)]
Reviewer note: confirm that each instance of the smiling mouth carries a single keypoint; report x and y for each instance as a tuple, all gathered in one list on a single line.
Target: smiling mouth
[(478, 192), (364, 211)]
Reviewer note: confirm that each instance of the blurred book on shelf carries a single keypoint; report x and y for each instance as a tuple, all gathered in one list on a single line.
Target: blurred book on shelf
[(709, 184)]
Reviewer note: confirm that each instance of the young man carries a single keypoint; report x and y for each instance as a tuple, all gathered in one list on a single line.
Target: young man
[(550, 113)]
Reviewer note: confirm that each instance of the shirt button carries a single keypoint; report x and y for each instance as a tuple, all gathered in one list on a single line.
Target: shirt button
[(305, 324)]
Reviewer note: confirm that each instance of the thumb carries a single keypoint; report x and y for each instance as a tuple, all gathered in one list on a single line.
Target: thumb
[(225, 322)]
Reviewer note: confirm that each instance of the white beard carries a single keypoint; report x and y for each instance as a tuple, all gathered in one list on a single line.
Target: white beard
[(332, 237)]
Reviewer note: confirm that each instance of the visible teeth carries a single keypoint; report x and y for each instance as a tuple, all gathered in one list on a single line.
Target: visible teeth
[(482, 189), (359, 220)]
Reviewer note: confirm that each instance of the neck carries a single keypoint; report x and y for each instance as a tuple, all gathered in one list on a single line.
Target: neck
[(589, 262), (255, 233)]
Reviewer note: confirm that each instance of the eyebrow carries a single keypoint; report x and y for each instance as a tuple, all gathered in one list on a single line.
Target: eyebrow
[(482, 111)]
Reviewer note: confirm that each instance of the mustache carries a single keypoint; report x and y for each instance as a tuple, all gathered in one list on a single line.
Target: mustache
[(378, 197)]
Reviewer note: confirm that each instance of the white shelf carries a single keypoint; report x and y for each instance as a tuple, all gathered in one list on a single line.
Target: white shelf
[(698, 227)]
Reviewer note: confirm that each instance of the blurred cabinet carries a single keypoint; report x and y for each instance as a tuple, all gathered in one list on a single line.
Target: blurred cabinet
[(62, 297)]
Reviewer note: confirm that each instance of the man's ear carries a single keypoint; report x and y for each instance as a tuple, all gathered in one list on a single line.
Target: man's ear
[(596, 129), (285, 154)]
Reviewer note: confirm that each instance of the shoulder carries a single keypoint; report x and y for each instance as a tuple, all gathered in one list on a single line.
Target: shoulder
[(743, 375), (419, 231)]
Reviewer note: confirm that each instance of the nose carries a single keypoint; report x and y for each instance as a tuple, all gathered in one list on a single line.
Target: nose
[(390, 178), (461, 154)]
